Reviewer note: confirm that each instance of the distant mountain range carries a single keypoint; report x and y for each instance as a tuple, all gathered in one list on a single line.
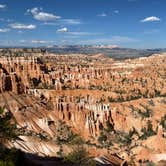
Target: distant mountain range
[(111, 51)]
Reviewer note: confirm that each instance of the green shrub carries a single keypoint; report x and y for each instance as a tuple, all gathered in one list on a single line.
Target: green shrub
[(146, 114), (1, 110), (150, 164), (8, 157), (77, 156), (126, 138), (102, 138), (147, 132), (60, 152), (6, 163), (163, 122), (109, 127), (7, 130), (110, 99)]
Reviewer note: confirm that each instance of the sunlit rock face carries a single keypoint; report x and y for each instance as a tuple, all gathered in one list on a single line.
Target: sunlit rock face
[(90, 94)]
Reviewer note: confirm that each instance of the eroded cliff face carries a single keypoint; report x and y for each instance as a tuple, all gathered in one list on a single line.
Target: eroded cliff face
[(122, 100)]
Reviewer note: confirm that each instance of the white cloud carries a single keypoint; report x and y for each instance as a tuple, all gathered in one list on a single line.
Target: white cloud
[(38, 14), (20, 32), (102, 15), (35, 41), (41, 41), (6, 20), (83, 33), (9, 20), (49, 23), (72, 33), (123, 39), (22, 41), (62, 30), (71, 21), (2, 6), (116, 11), (45, 16), (48, 18), (64, 22), (151, 19), (112, 40), (4, 30), (152, 31), (22, 26)]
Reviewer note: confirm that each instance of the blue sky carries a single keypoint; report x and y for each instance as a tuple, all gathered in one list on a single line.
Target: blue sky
[(126, 23)]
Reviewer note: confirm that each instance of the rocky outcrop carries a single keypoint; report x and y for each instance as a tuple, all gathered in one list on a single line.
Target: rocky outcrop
[(89, 95)]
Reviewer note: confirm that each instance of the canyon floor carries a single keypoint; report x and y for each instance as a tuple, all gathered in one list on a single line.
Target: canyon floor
[(117, 107)]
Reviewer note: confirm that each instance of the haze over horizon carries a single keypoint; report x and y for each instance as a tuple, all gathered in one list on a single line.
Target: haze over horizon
[(126, 23)]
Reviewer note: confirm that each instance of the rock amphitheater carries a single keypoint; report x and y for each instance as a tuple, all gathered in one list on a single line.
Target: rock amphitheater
[(116, 106)]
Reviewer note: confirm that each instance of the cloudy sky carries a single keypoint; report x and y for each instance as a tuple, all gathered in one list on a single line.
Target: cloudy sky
[(127, 23)]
